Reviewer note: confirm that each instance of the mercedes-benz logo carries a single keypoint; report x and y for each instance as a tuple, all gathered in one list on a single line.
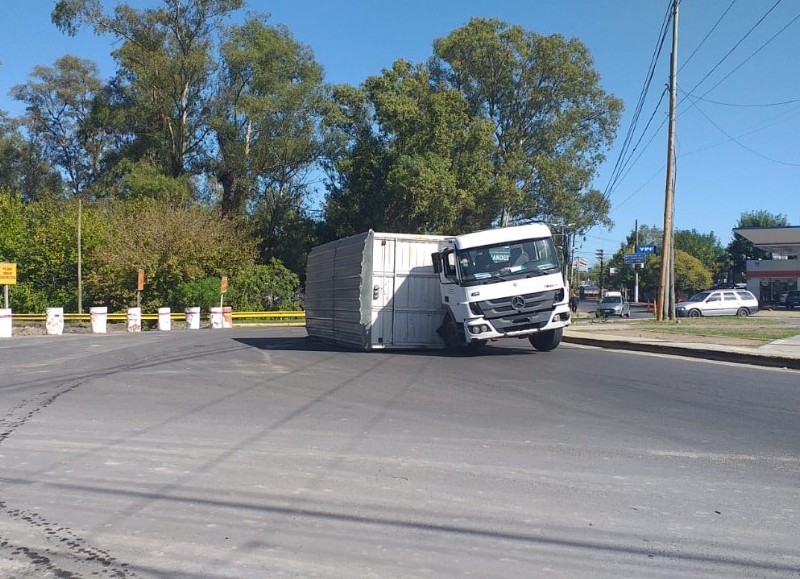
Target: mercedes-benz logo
[(518, 303)]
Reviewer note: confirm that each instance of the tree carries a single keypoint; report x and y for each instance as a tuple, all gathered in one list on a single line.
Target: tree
[(411, 157), (58, 103), (41, 237), (267, 109), (264, 287), (551, 120), (165, 67), (706, 248), (690, 274), (741, 249), (23, 168), (172, 244)]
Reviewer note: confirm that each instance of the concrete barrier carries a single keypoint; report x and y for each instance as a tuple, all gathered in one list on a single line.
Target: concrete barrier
[(134, 319), (164, 319), (99, 318), (5, 322), (215, 314), (227, 317), (54, 322), (192, 318)]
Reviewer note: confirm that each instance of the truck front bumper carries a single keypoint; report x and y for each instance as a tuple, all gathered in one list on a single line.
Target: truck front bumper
[(523, 325)]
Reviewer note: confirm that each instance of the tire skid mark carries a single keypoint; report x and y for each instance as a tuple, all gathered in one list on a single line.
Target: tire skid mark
[(59, 548), (68, 548), (26, 409)]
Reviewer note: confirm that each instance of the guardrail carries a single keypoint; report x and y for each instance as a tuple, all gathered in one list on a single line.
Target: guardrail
[(296, 318)]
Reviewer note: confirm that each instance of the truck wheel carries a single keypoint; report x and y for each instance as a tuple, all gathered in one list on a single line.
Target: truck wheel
[(451, 334), (546, 341)]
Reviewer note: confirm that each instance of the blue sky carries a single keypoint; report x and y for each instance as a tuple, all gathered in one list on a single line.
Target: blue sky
[(738, 149)]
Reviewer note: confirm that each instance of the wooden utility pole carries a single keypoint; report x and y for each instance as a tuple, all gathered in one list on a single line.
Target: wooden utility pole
[(80, 257), (667, 281)]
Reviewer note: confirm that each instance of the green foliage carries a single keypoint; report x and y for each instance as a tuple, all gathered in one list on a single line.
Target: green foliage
[(263, 287), (41, 237), (690, 274), (706, 248), (269, 101), (172, 244), (551, 119), (58, 103), (202, 293), (411, 158)]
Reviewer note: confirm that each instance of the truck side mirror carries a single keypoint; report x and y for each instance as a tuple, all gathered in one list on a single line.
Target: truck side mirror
[(437, 262)]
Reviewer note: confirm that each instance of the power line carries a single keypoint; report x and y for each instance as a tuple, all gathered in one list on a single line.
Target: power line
[(619, 164), (756, 105), (753, 151), (759, 49), (713, 28), (735, 46)]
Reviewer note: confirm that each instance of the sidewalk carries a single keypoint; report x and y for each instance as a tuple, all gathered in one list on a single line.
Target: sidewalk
[(783, 353)]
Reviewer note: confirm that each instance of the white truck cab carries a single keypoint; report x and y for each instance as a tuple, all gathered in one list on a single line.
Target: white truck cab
[(501, 283)]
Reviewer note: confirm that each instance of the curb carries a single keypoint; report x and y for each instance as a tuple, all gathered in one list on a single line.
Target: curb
[(716, 355)]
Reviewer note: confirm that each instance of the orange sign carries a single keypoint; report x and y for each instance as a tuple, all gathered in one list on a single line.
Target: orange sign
[(140, 281), (223, 286), (8, 273)]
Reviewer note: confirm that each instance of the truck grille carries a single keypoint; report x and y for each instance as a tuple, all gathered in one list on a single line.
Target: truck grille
[(532, 311)]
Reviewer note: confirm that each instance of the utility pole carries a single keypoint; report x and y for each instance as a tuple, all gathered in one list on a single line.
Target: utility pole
[(636, 265), (667, 280), (599, 253), (80, 256)]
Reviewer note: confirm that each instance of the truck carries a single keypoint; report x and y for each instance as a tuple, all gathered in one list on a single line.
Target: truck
[(375, 291)]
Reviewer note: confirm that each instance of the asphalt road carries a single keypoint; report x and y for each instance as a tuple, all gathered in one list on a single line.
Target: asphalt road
[(257, 453)]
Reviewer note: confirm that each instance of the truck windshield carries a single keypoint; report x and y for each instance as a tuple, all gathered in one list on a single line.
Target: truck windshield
[(515, 259)]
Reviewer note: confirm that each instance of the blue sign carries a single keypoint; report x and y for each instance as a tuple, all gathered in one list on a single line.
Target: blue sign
[(631, 258), (646, 249)]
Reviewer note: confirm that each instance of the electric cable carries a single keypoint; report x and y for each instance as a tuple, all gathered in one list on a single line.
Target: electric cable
[(759, 49), (615, 173), (735, 46), (713, 28)]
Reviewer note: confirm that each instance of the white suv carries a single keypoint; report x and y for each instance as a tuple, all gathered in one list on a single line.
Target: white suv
[(729, 302)]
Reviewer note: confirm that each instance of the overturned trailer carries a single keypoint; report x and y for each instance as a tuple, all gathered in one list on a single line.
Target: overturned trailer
[(387, 290), (374, 291)]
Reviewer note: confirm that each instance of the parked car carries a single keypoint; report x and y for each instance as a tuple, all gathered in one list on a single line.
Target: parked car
[(792, 299), (613, 305), (729, 302)]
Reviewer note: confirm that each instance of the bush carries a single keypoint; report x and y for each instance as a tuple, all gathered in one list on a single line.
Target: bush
[(203, 293)]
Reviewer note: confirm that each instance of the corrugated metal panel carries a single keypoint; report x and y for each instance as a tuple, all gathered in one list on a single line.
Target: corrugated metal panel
[(334, 284), (344, 307)]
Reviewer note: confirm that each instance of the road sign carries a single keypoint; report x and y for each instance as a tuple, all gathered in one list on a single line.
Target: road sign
[(140, 281), (646, 249), (8, 273), (223, 285), (631, 258)]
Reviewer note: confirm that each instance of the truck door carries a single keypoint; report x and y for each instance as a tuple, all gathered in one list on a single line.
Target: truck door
[(383, 279)]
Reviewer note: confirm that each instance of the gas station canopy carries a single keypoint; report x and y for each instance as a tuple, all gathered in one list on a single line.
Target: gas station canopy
[(779, 240)]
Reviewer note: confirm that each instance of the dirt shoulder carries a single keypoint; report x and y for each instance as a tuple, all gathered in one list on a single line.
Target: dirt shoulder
[(750, 332)]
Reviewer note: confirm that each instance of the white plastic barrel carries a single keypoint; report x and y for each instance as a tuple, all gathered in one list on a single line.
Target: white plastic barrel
[(216, 318), (54, 323), (164, 319), (5, 322), (134, 319), (99, 317), (192, 318), (227, 317)]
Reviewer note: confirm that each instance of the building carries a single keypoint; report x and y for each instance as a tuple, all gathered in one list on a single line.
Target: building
[(769, 278)]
